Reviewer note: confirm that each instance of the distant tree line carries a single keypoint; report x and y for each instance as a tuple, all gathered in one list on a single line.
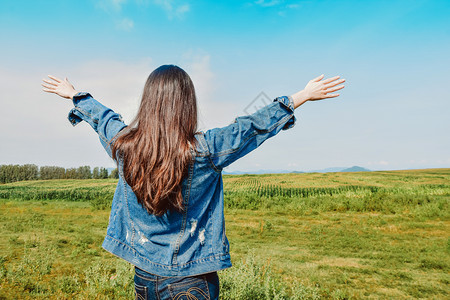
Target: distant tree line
[(12, 173)]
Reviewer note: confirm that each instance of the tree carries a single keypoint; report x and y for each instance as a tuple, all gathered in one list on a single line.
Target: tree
[(103, 173), (51, 172), (12, 173), (114, 174), (71, 173), (84, 172), (96, 173)]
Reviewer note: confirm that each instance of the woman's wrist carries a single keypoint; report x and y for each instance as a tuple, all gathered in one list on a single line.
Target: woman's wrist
[(300, 98), (73, 95)]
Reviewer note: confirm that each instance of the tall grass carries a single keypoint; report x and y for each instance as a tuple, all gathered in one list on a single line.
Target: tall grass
[(32, 277)]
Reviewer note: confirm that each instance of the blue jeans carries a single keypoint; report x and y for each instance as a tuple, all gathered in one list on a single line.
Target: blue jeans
[(198, 287)]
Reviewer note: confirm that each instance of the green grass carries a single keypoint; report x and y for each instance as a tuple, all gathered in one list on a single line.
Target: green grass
[(391, 241)]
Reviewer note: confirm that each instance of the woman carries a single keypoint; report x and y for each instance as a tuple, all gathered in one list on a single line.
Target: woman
[(167, 212)]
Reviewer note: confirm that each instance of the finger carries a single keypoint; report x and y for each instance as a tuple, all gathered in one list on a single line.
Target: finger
[(318, 78), (54, 78), (335, 83), (330, 79), (48, 91), (335, 89), (49, 82), (331, 95), (48, 86), (67, 80)]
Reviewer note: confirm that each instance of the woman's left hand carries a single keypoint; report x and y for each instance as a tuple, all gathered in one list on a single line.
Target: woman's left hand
[(60, 87)]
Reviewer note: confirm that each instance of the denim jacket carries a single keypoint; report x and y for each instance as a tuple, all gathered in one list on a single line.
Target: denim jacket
[(194, 241)]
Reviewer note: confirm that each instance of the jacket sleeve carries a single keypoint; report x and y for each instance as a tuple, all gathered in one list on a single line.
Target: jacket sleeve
[(103, 120), (246, 133)]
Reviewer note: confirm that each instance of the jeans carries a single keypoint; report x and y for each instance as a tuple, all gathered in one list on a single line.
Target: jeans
[(198, 287)]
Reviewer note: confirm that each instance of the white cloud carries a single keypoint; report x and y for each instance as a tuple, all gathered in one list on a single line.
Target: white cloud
[(288, 7), (172, 8), (265, 3), (114, 9), (181, 10), (280, 5), (117, 4), (111, 5), (291, 6), (125, 24), (164, 4)]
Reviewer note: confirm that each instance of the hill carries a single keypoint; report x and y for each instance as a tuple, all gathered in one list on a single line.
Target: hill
[(326, 170), (355, 169)]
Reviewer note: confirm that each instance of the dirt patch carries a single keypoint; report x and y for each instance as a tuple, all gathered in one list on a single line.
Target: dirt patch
[(391, 292), (340, 262)]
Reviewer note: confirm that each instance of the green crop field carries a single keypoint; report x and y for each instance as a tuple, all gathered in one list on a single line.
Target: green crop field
[(379, 235)]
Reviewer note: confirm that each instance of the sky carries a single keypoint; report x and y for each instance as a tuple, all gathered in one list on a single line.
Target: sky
[(392, 114)]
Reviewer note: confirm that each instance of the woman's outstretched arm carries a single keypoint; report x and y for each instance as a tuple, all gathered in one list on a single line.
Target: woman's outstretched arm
[(102, 119), (246, 133)]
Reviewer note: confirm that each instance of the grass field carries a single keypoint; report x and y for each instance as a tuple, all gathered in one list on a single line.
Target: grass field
[(357, 235)]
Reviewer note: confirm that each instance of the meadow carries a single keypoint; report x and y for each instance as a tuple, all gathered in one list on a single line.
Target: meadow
[(376, 235)]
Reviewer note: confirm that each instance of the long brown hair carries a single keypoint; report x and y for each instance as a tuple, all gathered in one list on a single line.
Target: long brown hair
[(154, 148)]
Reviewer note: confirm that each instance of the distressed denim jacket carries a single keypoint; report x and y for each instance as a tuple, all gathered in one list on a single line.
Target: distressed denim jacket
[(193, 242)]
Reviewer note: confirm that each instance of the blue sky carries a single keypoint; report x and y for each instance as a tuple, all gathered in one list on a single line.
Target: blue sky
[(394, 55)]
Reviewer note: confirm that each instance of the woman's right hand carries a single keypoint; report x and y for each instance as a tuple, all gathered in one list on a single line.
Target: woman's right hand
[(59, 87), (316, 89)]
